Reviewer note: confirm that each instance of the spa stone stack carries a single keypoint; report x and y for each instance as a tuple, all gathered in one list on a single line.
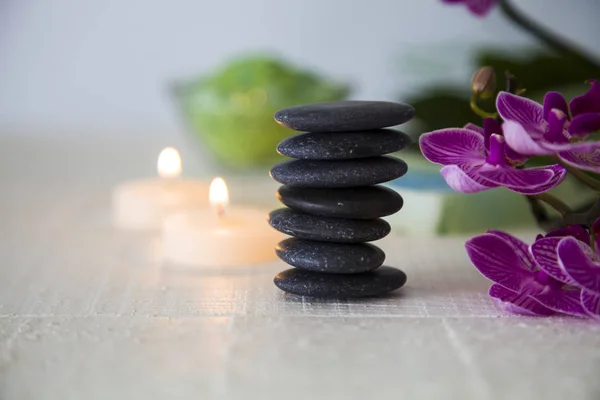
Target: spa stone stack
[(335, 202)]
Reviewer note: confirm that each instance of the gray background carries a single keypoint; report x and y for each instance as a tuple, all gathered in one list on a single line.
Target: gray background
[(84, 65)]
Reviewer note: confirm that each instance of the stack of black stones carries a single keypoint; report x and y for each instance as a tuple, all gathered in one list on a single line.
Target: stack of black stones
[(335, 202)]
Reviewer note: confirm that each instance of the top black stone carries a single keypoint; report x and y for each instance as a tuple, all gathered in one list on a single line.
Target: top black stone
[(344, 116)]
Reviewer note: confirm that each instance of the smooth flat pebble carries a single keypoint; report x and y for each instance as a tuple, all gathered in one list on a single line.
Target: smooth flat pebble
[(339, 174), (350, 115), (366, 202), (317, 284), (339, 230), (343, 146), (333, 258)]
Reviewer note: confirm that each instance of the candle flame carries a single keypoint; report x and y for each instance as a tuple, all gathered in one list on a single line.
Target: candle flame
[(169, 163), (218, 195)]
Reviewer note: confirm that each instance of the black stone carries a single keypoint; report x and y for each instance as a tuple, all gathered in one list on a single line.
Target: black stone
[(338, 174), (342, 146), (344, 116), (366, 202), (333, 258), (306, 226), (317, 284)]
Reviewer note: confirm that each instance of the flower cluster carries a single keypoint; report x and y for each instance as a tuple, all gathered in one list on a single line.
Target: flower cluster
[(554, 127), (476, 159), (558, 273)]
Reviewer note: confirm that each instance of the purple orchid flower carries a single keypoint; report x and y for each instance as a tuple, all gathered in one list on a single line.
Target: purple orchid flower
[(575, 262), (477, 7), (477, 159), (521, 284), (554, 128)]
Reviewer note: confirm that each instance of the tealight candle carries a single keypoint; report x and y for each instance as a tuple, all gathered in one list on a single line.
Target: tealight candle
[(142, 204), (218, 237)]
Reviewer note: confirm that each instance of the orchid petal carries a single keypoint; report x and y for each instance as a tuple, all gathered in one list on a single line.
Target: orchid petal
[(529, 179), (554, 100), (481, 7), (556, 127), (520, 141), (496, 259), (522, 110), (496, 146), (591, 303), (577, 231), (552, 148), (491, 125), (477, 7), (580, 262), (452, 146), (515, 156), (596, 226), (560, 173), (584, 124), (588, 102), (518, 303), (545, 253), (596, 230), (579, 147), (587, 160), (560, 232), (520, 247), (460, 182), (473, 127), (562, 300), (587, 147)]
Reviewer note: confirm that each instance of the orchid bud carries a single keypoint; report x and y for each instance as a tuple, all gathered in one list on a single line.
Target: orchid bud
[(483, 82)]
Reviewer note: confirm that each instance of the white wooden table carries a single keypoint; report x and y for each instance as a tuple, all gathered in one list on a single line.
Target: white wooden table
[(87, 312)]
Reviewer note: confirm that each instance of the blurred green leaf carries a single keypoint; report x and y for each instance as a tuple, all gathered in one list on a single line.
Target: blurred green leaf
[(231, 110), (540, 70)]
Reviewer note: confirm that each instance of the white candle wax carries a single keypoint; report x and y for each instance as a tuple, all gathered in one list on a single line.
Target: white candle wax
[(142, 204), (239, 236)]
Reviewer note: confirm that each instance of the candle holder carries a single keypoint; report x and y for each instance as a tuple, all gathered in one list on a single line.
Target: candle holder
[(334, 201)]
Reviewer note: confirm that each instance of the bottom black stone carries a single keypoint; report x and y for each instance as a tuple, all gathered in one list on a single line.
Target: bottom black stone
[(317, 284)]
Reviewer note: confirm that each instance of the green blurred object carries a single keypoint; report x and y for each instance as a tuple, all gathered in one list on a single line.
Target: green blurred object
[(231, 112)]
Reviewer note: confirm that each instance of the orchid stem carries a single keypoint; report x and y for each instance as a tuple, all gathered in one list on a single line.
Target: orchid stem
[(539, 212), (545, 36), (554, 202), (581, 176), (479, 111)]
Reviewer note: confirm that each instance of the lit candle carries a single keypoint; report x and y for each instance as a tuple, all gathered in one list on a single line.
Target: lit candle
[(142, 204), (219, 237)]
